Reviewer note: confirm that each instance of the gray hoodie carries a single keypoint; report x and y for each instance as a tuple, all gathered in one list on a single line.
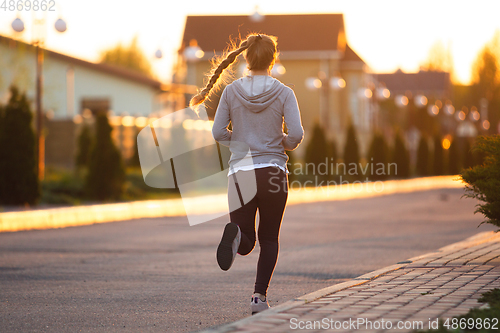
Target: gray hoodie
[(256, 106)]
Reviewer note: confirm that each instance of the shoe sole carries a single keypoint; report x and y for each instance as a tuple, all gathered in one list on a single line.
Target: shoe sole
[(225, 249)]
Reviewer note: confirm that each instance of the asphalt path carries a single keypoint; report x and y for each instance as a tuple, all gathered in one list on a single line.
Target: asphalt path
[(161, 274)]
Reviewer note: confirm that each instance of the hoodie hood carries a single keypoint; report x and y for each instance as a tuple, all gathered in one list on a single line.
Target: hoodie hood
[(257, 92)]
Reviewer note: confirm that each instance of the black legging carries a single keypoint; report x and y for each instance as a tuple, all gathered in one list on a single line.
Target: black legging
[(271, 197)]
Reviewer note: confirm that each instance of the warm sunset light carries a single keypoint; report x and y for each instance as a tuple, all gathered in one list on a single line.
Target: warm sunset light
[(433, 110), (161, 26), (128, 121), (461, 115), (446, 143), (486, 125), (401, 100), (421, 100), (376, 122), (141, 121), (450, 109), (386, 93), (368, 93)]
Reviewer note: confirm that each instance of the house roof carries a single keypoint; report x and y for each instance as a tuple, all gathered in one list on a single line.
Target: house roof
[(350, 55), (120, 72), (304, 32), (423, 81)]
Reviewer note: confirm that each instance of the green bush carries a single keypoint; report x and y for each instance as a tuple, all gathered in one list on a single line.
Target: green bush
[(18, 164), (351, 150), (332, 155), (61, 187), (84, 143), (438, 160), (134, 160), (401, 156), (378, 157), (483, 181), (422, 166), (454, 163), (316, 152), (106, 174)]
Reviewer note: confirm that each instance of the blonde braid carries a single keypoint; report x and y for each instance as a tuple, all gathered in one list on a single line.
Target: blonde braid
[(230, 58)]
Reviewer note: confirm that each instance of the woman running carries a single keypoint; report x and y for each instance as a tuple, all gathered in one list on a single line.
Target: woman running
[(256, 106)]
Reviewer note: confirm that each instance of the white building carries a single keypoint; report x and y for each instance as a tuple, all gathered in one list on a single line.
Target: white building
[(72, 85)]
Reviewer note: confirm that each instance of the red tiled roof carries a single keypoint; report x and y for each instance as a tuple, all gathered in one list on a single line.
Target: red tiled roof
[(305, 32)]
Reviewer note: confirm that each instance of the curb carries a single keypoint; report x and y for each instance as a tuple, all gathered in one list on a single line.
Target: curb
[(86, 215), (477, 239)]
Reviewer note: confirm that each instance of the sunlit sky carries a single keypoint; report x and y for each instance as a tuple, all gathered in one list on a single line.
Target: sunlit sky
[(387, 34)]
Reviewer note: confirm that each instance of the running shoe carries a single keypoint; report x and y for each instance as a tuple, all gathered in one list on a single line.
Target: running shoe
[(228, 247), (259, 303)]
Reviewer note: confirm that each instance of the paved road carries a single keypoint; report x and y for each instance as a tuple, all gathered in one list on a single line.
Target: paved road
[(161, 274)]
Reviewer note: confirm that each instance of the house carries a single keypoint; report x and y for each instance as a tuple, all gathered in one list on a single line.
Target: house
[(73, 87), (432, 84), (314, 58)]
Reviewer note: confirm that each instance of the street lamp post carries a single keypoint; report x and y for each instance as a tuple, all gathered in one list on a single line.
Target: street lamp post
[(18, 26)]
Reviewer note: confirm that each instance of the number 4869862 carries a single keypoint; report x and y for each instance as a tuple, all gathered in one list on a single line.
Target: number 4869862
[(471, 323), (28, 5)]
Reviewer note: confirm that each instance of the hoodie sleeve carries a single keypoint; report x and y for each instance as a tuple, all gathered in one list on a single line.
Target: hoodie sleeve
[(293, 123), (220, 129)]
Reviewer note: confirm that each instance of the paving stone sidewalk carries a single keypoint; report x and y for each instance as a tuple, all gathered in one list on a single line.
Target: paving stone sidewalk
[(442, 284)]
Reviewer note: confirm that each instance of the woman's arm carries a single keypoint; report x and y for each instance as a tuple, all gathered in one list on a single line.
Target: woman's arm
[(293, 123), (220, 131)]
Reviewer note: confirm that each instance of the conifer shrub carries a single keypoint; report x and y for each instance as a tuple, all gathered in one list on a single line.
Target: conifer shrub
[(106, 173), (18, 163), (378, 158), (483, 181), (400, 156)]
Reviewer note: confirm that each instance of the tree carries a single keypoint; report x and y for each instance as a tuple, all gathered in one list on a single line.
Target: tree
[(351, 150), (439, 58), (438, 160), (485, 69), (401, 156), (378, 157), (332, 156), (483, 181), (18, 168), (454, 161), (134, 160), (106, 174), (423, 157), (128, 56), (316, 152), (486, 79), (84, 144)]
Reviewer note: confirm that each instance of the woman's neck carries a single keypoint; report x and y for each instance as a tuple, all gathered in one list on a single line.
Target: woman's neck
[(259, 72)]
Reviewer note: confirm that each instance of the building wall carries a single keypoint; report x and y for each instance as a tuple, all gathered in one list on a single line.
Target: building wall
[(18, 66)]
